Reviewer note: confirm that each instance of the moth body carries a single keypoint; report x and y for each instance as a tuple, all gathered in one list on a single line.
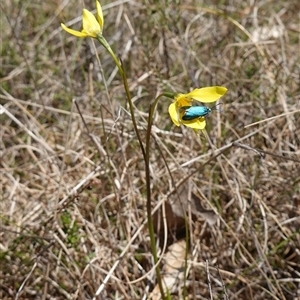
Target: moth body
[(195, 112)]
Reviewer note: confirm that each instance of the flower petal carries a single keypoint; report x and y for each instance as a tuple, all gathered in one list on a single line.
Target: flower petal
[(174, 114), (207, 94), (195, 124), (100, 15), (182, 100), (73, 32), (90, 25)]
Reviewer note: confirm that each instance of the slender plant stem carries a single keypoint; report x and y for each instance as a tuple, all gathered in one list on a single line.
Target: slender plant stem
[(149, 208), (146, 155), (105, 44), (148, 181)]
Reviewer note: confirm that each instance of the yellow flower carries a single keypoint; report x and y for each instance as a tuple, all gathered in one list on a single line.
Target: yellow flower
[(92, 27), (182, 101)]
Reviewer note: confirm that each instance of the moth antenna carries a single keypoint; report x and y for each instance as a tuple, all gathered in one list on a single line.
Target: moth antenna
[(216, 108)]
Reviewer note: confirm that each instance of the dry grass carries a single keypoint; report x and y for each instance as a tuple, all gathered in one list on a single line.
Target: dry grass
[(70, 205)]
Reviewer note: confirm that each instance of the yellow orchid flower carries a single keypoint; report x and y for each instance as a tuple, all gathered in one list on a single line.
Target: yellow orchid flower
[(182, 106), (92, 27)]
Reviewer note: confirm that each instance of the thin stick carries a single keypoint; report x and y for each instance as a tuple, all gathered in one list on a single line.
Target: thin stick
[(223, 284), (208, 280), (273, 118)]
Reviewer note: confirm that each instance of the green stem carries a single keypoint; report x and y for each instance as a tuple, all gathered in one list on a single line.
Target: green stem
[(148, 180), (148, 186), (105, 44), (146, 154)]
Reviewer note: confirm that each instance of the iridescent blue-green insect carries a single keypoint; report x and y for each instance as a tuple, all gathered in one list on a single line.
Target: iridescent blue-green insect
[(195, 112)]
